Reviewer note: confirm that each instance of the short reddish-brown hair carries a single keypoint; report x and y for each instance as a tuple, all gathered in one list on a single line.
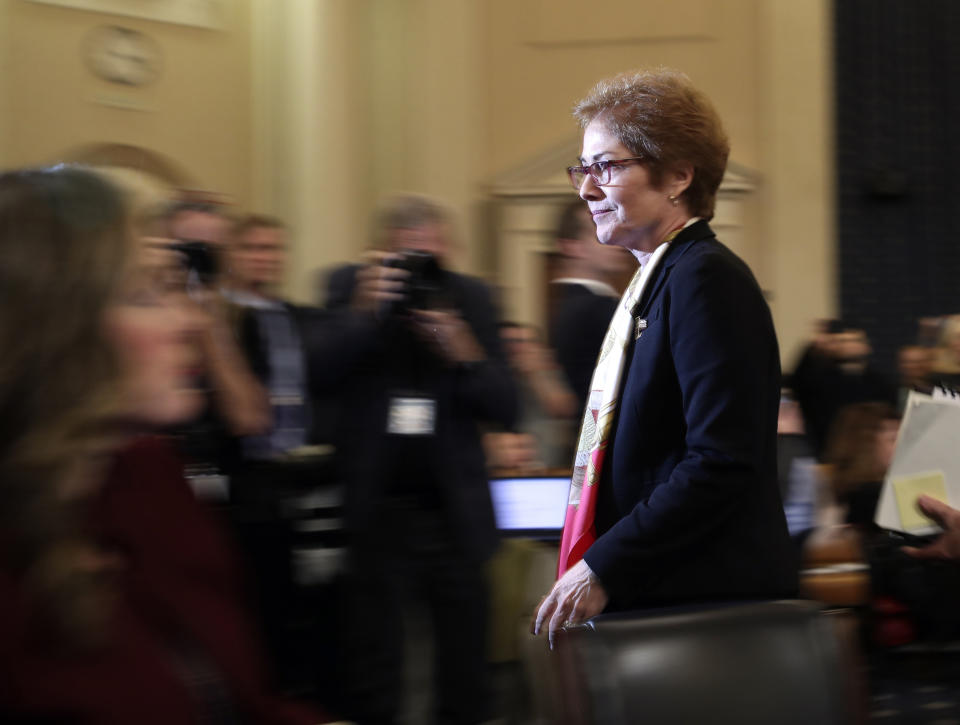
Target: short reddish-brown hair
[(658, 114)]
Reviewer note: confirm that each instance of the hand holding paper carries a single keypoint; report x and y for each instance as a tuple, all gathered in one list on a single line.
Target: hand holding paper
[(925, 462), (947, 545)]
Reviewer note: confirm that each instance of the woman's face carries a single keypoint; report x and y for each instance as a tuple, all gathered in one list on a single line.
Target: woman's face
[(629, 211), (154, 329)]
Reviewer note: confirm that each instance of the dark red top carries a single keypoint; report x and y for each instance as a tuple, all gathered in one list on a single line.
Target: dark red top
[(180, 601)]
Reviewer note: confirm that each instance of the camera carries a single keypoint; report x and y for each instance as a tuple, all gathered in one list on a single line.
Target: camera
[(200, 259), (424, 285)]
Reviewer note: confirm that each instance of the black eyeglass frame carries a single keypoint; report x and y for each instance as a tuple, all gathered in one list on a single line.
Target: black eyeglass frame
[(599, 170)]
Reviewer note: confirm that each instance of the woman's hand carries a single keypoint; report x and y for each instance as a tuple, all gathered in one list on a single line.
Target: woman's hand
[(577, 596)]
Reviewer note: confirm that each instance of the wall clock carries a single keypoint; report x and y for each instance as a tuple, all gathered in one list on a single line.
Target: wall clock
[(121, 55)]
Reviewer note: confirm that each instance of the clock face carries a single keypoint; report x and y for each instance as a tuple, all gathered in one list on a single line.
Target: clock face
[(122, 55)]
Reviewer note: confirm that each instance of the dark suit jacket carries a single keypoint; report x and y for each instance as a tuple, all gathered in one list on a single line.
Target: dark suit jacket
[(387, 359), (823, 389), (688, 507), (577, 328)]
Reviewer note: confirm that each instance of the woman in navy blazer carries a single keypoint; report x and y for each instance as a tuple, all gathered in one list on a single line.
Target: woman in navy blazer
[(687, 507)]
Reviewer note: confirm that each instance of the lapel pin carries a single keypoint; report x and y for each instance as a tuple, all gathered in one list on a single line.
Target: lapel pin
[(641, 326)]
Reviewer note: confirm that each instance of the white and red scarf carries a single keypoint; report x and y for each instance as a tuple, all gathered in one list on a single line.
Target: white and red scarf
[(578, 526)]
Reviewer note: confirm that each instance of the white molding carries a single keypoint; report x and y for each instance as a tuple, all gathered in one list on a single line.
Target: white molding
[(195, 13)]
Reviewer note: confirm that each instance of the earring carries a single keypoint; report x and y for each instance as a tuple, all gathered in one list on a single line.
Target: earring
[(674, 200)]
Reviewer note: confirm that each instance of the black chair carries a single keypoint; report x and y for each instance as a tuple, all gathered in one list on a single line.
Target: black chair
[(765, 662)]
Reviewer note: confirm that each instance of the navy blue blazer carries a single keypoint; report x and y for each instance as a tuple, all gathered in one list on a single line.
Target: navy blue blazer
[(688, 507)]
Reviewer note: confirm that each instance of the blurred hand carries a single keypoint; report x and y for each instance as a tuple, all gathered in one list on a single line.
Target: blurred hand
[(240, 399), (947, 545), (378, 285), (448, 334), (790, 418), (532, 358), (511, 450), (577, 596)]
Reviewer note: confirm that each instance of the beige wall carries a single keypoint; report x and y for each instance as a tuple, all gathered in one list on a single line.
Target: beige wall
[(312, 109), (797, 197), (764, 63), (368, 97), (197, 113), (312, 148), (5, 108), (536, 74), (429, 128)]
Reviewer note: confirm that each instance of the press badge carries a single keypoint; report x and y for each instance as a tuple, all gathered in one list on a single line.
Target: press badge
[(412, 416)]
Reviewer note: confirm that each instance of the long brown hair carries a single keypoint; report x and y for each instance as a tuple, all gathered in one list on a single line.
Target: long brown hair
[(64, 241)]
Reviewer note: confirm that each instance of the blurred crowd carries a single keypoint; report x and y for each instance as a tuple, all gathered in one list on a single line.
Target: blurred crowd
[(346, 447), (337, 456), (837, 432), (841, 411), (350, 443)]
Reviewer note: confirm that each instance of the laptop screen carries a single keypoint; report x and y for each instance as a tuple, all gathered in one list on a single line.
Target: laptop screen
[(530, 506)]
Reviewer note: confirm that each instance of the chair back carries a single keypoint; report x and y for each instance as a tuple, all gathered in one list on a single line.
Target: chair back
[(764, 662)]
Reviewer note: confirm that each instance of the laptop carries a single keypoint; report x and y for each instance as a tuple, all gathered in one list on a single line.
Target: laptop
[(530, 506)]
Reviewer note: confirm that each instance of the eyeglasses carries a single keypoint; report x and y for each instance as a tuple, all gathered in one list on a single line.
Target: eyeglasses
[(599, 170)]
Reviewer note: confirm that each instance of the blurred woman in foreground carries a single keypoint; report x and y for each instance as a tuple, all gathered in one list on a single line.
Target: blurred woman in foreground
[(119, 601)]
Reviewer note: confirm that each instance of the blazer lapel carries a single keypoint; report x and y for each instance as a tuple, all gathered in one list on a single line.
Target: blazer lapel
[(678, 247)]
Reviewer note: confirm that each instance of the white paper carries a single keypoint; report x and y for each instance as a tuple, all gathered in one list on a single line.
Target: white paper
[(929, 440)]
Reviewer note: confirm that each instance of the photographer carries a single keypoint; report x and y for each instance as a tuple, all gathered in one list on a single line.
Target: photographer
[(418, 506), (237, 403)]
